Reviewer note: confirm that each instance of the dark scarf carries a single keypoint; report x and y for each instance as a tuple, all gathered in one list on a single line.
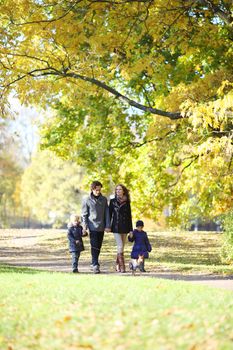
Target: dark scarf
[(122, 200), (95, 197)]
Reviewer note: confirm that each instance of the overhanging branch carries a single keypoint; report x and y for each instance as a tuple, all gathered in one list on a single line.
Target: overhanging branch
[(53, 72), (117, 94), (224, 15)]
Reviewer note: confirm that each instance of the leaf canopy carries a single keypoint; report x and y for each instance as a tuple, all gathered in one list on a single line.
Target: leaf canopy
[(171, 61)]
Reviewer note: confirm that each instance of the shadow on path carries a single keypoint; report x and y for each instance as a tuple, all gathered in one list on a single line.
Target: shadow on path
[(38, 258)]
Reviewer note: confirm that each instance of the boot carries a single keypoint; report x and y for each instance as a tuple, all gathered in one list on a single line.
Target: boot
[(118, 264), (132, 268), (122, 262), (142, 266)]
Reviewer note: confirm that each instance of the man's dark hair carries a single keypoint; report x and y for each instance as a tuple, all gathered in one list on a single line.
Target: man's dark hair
[(95, 184)]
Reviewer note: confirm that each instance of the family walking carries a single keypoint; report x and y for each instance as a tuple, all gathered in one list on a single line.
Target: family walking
[(99, 217)]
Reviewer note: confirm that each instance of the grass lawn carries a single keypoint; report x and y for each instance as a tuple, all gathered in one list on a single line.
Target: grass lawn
[(178, 252), (182, 252), (58, 311)]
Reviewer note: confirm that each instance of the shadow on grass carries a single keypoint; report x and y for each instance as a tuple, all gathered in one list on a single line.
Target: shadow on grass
[(14, 269), (193, 277), (190, 259), (186, 251), (173, 252)]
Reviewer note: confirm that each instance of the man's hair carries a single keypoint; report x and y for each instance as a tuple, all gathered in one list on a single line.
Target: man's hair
[(95, 184)]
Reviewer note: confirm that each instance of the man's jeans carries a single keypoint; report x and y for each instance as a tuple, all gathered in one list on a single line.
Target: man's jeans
[(96, 239), (75, 258)]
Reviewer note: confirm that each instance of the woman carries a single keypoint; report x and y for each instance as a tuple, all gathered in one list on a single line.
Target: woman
[(121, 222)]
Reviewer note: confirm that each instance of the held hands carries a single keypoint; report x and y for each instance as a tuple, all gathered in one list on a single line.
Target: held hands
[(85, 233)]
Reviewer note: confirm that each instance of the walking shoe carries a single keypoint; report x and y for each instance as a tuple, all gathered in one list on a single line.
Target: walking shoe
[(141, 266), (96, 269), (75, 270), (132, 268)]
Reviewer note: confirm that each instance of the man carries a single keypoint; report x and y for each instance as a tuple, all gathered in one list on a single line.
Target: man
[(95, 217)]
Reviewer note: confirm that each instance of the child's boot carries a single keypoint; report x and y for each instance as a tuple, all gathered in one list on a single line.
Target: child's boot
[(142, 266), (75, 258), (132, 268)]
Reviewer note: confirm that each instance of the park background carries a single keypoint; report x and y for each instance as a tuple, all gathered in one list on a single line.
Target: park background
[(146, 101), (137, 92)]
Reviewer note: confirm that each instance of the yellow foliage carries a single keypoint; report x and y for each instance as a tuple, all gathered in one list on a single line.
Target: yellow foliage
[(168, 54)]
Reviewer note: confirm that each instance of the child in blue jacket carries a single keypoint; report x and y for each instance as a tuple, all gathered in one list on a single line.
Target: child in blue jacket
[(74, 235), (141, 247)]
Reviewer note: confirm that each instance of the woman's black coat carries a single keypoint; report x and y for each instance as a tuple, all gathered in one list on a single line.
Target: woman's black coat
[(75, 233), (120, 216)]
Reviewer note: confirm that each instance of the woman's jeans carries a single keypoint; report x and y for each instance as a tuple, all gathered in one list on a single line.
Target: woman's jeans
[(120, 241), (75, 258), (96, 240)]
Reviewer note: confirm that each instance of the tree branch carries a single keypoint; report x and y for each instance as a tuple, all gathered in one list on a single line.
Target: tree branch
[(53, 72), (119, 2), (194, 158), (140, 144), (170, 115), (226, 17), (49, 20)]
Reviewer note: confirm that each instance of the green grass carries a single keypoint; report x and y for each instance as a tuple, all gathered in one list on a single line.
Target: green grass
[(189, 252), (182, 252), (173, 252), (57, 311)]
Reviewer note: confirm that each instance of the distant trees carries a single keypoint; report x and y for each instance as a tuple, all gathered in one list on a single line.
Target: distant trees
[(44, 190), (10, 174), (51, 189), (141, 91), (227, 247), (9, 197)]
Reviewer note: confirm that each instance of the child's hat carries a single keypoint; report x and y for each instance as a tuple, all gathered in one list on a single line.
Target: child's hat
[(139, 223)]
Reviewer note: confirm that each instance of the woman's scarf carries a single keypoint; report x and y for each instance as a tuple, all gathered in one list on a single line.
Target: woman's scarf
[(121, 200)]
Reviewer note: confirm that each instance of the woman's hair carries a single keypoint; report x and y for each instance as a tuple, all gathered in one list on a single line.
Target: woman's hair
[(74, 217), (125, 191), (95, 184)]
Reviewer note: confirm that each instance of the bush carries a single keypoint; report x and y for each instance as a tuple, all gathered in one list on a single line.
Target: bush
[(227, 247)]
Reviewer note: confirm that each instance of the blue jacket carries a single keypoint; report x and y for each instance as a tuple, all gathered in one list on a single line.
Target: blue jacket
[(75, 233), (141, 244)]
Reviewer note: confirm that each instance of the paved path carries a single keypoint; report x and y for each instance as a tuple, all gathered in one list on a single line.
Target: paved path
[(25, 251)]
